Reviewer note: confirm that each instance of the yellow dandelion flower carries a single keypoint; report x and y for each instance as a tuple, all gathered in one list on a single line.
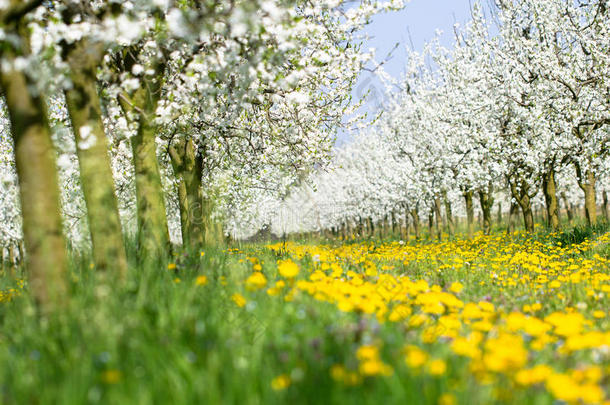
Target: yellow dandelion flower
[(201, 280), (256, 281), (367, 352), (415, 357), (437, 367), (288, 268), (446, 399), (599, 314), (456, 287), (239, 300), (111, 376), (281, 382)]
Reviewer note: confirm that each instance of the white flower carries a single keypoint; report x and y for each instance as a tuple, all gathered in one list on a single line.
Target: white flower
[(162, 4), (297, 98), (239, 25), (176, 23), (131, 84), (87, 137), (137, 69)]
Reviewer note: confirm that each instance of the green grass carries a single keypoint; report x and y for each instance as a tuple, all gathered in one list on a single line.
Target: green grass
[(168, 342), (153, 340)]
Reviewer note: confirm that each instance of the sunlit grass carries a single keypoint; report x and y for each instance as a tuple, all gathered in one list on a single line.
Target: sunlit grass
[(506, 318)]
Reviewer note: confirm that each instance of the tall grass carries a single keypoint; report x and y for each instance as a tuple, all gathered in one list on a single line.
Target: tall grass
[(163, 338)]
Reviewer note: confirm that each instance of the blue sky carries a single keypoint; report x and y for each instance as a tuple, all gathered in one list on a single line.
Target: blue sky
[(416, 25), (420, 18)]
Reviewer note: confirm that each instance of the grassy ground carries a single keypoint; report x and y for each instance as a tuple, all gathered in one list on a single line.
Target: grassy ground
[(500, 319)]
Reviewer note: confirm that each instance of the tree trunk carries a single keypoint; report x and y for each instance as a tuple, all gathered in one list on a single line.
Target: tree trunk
[(499, 217), (4, 259), (406, 227), (486, 202), (569, 211), (514, 208), (528, 213), (183, 208), (20, 250), (386, 226), (188, 167), (468, 197), (586, 181), (524, 200), (416, 223), (153, 233), (549, 188), (439, 218), (605, 211), (371, 225), (449, 215), (11, 256), (590, 198), (38, 187), (95, 169)]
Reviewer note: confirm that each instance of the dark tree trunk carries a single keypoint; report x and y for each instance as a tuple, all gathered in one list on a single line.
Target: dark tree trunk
[(416, 223), (523, 198), (468, 198), (486, 203), (549, 188)]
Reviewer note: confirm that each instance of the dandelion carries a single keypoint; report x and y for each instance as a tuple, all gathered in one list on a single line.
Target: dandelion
[(375, 367), (367, 352), (256, 281), (288, 268), (437, 367), (599, 314), (111, 376), (535, 375), (415, 357), (201, 280), (281, 382), (446, 399), (337, 372), (171, 266), (456, 287), (239, 300)]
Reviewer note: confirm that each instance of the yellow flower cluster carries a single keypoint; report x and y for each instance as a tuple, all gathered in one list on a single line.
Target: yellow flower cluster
[(499, 302), (10, 293), (370, 362)]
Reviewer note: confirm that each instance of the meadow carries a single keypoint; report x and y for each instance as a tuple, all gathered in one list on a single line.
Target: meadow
[(506, 318), (143, 142)]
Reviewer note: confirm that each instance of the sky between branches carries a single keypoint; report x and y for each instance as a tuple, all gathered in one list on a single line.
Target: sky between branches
[(413, 26)]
